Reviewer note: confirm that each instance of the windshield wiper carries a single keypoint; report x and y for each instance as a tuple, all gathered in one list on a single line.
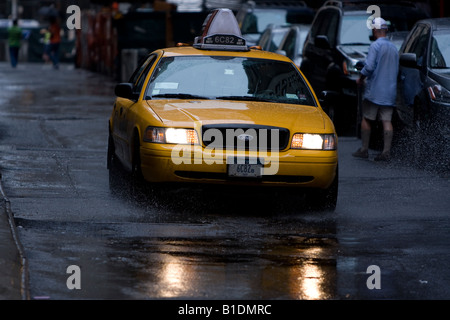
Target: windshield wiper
[(245, 98), (178, 96)]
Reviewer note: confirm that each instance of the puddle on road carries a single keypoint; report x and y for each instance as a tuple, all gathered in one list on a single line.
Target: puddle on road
[(223, 258), (232, 268)]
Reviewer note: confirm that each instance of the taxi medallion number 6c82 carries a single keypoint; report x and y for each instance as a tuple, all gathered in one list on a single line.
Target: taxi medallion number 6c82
[(224, 39)]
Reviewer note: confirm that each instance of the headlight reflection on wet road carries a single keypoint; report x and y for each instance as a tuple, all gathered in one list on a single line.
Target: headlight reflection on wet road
[(174, 278), (301, 272)]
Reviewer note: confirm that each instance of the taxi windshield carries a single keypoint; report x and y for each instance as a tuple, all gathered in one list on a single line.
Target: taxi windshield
[(229, 78)]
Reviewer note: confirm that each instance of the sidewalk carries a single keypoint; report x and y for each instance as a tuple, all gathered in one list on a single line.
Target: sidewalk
[(28, 92), (13, 285), (13, 265)]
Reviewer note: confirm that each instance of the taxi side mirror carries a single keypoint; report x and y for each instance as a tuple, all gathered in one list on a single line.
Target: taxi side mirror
[(124, 90)]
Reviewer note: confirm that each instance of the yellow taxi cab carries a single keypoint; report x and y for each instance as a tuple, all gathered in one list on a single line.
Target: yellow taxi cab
[(219, 112)]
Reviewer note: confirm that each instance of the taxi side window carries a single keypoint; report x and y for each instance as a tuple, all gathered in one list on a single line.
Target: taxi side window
[(137, 73), (138, 86), (138, 77)]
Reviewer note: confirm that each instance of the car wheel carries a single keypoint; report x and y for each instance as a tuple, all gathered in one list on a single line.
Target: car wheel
[(136, 170), (110, 153), (325, 200)]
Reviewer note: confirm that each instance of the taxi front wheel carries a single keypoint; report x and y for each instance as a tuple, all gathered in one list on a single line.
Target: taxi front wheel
[(110, 152), (136, 171)]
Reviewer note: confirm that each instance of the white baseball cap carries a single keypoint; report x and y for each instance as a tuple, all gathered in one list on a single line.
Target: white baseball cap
[(379, 23)]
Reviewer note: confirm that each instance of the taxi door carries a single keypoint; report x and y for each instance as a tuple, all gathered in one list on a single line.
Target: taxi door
[(122, 108)]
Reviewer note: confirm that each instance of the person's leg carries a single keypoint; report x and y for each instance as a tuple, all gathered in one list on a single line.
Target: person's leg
[(16, 54), (46, 54), (388, 133), (369, 112), (13, 56), (54, 48), (365, 134), (56, 56)]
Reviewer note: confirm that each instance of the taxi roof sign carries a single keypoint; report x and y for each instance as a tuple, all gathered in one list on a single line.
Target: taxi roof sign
[(221, 31)]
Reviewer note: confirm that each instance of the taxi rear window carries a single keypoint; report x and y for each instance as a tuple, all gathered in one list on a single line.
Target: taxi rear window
[(232, 78)]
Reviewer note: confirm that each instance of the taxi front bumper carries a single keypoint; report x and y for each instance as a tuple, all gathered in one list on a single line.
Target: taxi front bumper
[(300, 168)]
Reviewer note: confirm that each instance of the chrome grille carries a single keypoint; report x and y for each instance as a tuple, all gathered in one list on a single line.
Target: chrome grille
[(245, 137)]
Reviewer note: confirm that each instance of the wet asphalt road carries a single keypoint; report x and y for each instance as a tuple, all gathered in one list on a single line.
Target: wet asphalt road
[(196, 243)]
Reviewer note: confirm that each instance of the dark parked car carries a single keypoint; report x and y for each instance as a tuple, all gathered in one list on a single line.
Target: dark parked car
[(254, 16), (338, 40), (424, 90)]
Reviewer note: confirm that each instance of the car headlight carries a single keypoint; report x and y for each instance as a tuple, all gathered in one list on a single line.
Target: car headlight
[(170, 135), (350, 66), (439, 93), (314, 141)]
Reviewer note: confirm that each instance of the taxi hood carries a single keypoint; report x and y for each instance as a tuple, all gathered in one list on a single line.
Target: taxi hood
[(182, 113)]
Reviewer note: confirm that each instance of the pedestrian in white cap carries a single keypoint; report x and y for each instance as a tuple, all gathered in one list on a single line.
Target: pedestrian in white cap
[(379, 23), (380, 77)]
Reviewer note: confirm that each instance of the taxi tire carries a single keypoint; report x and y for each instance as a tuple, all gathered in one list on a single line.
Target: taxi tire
[(136, 171), (110, 153), (326, 199)]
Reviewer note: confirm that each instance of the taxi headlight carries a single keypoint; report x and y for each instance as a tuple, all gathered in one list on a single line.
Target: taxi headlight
[(314, 141), (171, 135)]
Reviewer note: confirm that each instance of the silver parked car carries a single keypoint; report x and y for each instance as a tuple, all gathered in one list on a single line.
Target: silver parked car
[(271, 37), (292, 43)]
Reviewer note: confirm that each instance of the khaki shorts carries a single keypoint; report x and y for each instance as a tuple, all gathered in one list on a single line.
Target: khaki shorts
[(371, 111)]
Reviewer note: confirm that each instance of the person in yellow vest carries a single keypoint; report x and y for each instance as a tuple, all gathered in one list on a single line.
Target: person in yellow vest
[(46, 41), (14, 38), (55, 40)]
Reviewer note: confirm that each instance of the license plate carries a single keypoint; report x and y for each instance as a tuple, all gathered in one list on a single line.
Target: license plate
[(245, 168)]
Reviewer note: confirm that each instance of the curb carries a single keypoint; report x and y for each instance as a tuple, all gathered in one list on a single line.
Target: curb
[(24, 263)]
